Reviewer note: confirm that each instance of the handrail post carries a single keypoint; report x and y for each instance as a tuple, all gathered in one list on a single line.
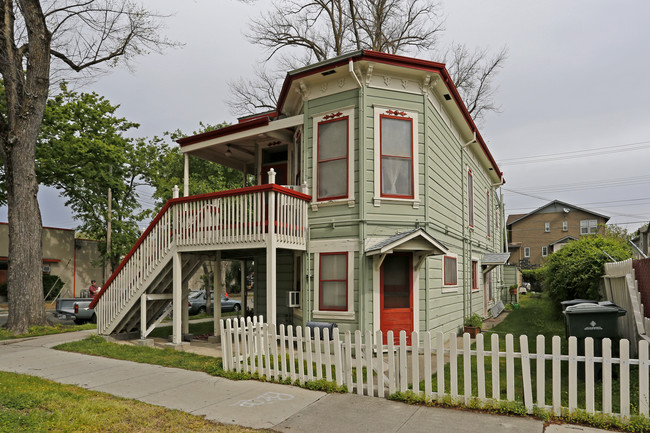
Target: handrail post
[(271, 257)]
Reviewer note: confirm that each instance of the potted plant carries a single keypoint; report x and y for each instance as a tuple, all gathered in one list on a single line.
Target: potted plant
[(473, 325)]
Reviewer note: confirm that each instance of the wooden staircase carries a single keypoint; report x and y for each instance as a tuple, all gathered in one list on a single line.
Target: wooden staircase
[(264, 216)]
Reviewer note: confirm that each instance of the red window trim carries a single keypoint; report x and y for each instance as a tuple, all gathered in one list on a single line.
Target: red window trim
[(444, 271), (321, 306), (470, 198), (474, 275), (381, 160), (347, 159)]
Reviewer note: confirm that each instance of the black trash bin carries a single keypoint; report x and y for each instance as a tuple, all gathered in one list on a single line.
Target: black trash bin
[(321, 326), (596, 320), (571, 302)]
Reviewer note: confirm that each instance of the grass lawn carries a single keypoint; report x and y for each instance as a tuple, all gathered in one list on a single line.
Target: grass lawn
[(31, 404), (36, 331), (536, 316)]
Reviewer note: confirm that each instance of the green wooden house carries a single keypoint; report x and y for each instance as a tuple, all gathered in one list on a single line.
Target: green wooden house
[(376, 206)]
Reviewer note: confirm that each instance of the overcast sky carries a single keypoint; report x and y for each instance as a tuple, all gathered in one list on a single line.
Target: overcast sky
[(574, 93)]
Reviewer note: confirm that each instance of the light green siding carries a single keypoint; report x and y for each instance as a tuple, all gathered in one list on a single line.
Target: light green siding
[(442, 209)]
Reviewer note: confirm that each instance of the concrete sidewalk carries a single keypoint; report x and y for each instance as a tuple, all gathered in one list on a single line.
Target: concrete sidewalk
[(248, 403)]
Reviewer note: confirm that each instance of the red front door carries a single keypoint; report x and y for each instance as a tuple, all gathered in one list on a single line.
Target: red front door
[(397, 295)]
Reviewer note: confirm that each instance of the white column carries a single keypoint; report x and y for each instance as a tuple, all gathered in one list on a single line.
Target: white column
[(271, 259), (216, 314), (177, 282), (185, 316), (186, 176), (143, 316)]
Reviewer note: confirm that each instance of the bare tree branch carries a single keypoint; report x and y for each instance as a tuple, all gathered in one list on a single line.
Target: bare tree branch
[(473, 74)]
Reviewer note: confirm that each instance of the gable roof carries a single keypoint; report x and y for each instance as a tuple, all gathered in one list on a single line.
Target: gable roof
[(394, 60), (431, 245), (518, 217), (564, 239), (428, 69)]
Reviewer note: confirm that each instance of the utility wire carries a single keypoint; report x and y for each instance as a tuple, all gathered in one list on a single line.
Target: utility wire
[(584, 153)]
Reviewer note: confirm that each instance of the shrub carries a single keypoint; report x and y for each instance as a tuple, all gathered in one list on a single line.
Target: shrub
[(48, 282), (576, 270), (535, 277), (474, 320), (51, 282)]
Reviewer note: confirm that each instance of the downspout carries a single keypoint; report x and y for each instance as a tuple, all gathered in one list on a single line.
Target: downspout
[(462, 194), (360, 139), (351, 69)]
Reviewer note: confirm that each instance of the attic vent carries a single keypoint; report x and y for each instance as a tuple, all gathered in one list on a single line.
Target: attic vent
[(447, 97), (328, 73)]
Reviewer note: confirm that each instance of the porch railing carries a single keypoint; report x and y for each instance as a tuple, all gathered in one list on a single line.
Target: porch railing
[(489, 370), (235, 218)]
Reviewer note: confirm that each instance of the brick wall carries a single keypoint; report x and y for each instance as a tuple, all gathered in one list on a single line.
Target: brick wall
[(642, 272)]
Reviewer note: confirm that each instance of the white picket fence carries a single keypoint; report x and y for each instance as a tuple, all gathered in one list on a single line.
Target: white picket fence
[(367, 366)]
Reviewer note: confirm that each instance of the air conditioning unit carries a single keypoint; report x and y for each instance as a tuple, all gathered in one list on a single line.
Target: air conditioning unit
[(46, 269), (294, 299)]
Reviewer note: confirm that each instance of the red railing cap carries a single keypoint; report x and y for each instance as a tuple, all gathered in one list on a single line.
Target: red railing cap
[(188, 199)]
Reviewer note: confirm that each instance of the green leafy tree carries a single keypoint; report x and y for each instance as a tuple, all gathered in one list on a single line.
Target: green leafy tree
[(41, 40), (575, 272), (166, 165), (83, 153)]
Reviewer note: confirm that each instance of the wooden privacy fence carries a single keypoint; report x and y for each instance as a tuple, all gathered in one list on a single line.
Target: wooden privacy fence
[(486, 370)]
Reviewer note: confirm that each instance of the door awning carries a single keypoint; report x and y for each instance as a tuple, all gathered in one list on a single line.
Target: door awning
[(416, 240), (492, 260)]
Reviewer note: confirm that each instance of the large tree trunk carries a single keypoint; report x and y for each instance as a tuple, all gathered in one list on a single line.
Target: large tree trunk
[(26, 86), (25, 280)]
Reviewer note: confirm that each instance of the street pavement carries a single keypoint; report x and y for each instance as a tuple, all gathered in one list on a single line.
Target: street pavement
[(248, 403)]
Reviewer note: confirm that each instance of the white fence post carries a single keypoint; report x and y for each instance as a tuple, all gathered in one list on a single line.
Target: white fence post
[(526, 378), (480, 367), (624, 377), (644, 385), (255, 347), (467, 368)]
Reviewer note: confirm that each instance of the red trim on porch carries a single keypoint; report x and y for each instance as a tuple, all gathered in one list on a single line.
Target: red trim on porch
[(170, 202), (237, 127)]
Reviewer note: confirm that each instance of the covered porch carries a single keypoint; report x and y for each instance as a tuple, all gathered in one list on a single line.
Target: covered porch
[(255, 222)]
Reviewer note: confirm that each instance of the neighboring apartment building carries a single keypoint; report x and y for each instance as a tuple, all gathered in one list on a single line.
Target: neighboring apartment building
[(71, 259), (534, 236)]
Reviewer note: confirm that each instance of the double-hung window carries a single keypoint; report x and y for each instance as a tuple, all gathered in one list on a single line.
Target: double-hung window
[(470, 198), (333, 282), (544, 251), (396, 155), (527, 252), (489, 215), (474, 275), (450, 271), (333, 155), (588, 227), (565, 226), (547, 227)]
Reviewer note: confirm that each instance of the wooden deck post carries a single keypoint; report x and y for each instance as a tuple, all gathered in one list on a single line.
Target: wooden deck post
[(271, 257), (186, 176), (177, 283), (216, 311)]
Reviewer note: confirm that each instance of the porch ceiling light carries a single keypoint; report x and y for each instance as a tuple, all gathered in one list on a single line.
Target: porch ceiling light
[(228, 151)]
